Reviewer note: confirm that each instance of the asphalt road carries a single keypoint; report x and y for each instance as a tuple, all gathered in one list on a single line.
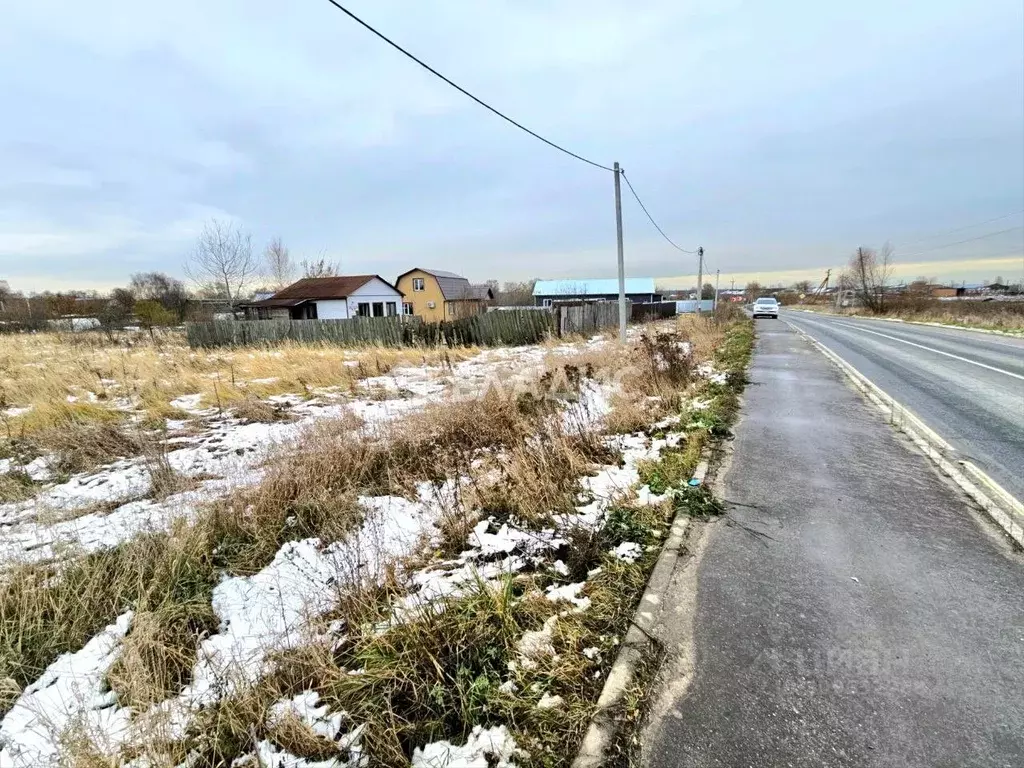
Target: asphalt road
[(851, 609), (967, 386)]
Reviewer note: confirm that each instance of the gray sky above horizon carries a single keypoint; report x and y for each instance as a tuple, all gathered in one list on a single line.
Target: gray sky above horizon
[(778, 135)]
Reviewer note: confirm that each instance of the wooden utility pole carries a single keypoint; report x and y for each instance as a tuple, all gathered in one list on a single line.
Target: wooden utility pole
[(718, 274)]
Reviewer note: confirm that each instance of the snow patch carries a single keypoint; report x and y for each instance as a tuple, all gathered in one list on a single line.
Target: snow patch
[(485, 747), (70, 696), (628, 551)]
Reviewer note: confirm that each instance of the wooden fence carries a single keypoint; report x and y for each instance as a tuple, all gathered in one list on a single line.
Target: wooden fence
[(645, 313), (490, 329), (586, 318)]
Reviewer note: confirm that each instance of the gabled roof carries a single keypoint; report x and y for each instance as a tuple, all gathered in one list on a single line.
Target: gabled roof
[(453, 287), (585, 287), (319, 289)]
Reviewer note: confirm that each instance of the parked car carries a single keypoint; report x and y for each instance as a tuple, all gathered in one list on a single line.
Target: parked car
[(766, 306)]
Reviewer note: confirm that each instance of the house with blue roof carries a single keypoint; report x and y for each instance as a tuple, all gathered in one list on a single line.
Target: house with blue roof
[(547, 293)]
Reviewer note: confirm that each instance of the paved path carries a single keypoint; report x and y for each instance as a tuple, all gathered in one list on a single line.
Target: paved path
[(879, 621), (965, 385)]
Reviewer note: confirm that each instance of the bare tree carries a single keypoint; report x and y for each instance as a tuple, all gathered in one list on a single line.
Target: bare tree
[(278, 264), (752, 291), (869, 271), (322, 267), (223, 256), (802, 286)]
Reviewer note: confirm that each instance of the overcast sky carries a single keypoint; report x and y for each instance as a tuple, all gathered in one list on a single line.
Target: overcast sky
[(778, 135)]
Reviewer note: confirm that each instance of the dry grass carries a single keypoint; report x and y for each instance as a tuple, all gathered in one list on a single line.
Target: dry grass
[(47, 610), (158, 654), (1007, 316), (16, 486), (434, 676), (252, 409), (42, 370)]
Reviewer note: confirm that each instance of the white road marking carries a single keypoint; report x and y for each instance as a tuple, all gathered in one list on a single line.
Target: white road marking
[(929, 349)]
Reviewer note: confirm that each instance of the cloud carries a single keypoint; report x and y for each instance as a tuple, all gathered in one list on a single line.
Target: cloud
[(779, 138)]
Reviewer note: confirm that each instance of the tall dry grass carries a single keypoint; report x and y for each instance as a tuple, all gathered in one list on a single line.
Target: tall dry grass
[(41, 371), (435, 675), (311, 490)]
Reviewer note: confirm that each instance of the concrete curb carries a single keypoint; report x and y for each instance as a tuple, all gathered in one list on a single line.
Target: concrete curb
[(990, 331), (999, 504), (604, 724)]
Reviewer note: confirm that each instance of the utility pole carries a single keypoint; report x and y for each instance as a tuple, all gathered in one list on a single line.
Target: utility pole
[(700, 276), (718, 274), (622, 263)]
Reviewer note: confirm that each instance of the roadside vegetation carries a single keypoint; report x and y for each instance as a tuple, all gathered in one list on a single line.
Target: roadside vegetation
[(1005, 316), (89, 398), (506, 616)]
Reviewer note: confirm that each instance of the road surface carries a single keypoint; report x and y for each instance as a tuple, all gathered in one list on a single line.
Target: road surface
[(967, 386), (851, 609)]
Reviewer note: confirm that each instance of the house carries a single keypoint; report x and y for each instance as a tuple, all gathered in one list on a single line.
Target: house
[(329, 298), (549, 292), (436, 295)]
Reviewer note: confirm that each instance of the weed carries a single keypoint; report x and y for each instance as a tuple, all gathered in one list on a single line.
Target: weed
[(16, 486), (252, 409), (697, 502)]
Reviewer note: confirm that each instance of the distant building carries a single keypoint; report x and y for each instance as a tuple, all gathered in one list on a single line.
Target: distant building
[(329, 298), (547, 293), (433, 295)]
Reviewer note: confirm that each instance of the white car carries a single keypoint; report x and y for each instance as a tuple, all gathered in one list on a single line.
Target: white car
[(766, 306)]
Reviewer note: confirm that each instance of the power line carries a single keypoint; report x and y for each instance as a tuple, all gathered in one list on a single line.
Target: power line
[(644, 207), (961, 242), (960, 229), (462, 90)]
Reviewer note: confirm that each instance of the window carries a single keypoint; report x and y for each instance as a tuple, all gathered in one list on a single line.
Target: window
[(406, 308), (547, 302), (392, 309), (378, 309), (364, 309), (450, 306), (417, 284)]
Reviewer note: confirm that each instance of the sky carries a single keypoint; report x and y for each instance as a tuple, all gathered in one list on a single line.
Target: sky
[(780, 136)]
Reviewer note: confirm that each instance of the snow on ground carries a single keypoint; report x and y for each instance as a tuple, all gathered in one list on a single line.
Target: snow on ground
[(64, 518), (485, 747), (69, 699), (275, 608), (34, 541), (306, 709)]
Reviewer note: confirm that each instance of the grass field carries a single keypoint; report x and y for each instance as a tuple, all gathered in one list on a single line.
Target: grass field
[(371, 558)]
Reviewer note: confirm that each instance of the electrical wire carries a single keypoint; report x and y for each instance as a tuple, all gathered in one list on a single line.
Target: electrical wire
[(462, 90), (961, 242), (644, 207), (959, 229)]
